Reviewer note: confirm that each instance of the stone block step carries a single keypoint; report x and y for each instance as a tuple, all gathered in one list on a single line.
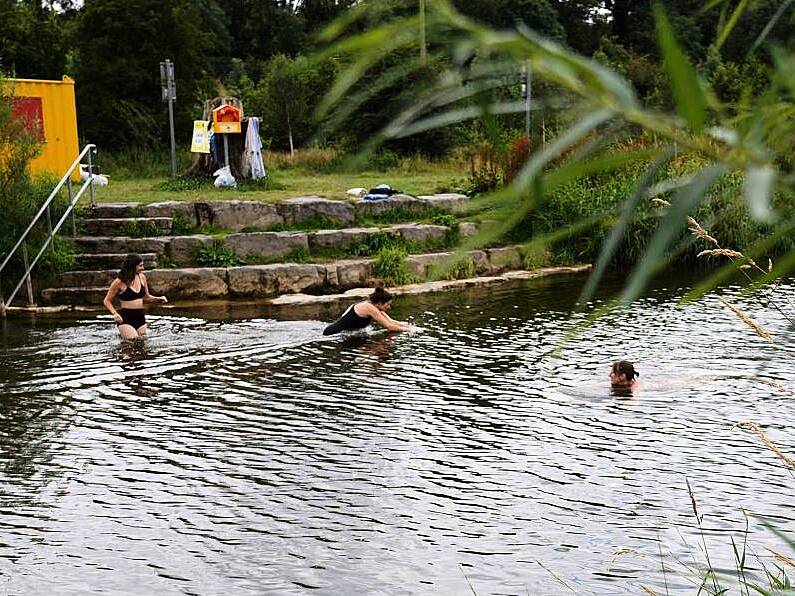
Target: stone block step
[(267, 281), (236, 215), (121, 244), (109, 260), (83, 296), (114, 210), (84, 279), (127, 226)]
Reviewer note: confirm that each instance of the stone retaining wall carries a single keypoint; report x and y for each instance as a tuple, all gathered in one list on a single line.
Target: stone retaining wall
[(266, 281), (236, 215)]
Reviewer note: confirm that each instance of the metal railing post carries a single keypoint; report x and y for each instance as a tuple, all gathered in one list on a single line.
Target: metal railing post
[(69, 190), (49, 230), (27, 274), (91, 200)]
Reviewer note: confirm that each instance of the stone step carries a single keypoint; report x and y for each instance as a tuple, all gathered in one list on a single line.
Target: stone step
[(236, 215), (114, 210), (181, 250), (136, 227), (83, 296), (267, 281), (84, 279), (95, 261), (121, 244)]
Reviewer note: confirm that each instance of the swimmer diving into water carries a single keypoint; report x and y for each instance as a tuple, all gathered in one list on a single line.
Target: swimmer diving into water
[(360, 315)]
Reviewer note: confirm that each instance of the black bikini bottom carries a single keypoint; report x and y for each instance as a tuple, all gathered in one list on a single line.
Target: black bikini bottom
[(134, 317)]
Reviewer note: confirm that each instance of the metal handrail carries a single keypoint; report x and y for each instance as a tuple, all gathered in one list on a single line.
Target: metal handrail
[(88, 150)]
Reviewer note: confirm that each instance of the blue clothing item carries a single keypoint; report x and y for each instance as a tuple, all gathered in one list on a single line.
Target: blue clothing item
[(371, 197), (216, 150)]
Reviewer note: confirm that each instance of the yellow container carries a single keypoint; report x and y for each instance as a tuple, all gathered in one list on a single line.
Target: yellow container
[(53, 103)]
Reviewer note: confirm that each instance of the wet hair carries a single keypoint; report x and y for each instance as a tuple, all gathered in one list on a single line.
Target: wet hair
[(626, 368), (128, 266), (380, 296)]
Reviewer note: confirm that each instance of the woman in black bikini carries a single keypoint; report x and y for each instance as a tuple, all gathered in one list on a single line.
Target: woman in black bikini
[(130, 317), (360, 315)]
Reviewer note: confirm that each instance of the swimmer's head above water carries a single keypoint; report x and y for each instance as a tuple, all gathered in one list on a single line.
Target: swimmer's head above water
[(381, 299), (623, 374)]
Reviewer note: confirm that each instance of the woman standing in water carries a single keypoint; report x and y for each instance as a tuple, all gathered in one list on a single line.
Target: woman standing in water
[(131, 288), (360, 315)]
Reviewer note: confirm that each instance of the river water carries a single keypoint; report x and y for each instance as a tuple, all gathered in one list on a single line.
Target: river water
[(239, 451)]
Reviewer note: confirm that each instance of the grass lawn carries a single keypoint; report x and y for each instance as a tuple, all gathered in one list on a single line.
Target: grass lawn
[(289, 183)]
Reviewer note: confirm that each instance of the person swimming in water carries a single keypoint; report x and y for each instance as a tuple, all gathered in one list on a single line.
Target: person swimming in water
[(130, 318), (623, 375), (361, 314)]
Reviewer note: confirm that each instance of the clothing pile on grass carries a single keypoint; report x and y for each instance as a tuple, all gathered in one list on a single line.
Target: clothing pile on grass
[(379, 193)]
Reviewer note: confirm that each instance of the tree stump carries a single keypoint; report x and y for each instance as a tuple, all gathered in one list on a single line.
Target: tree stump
[(204, 164)]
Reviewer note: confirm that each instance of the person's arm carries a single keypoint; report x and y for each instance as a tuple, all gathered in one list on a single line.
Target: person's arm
[(108, 301), (148, 297), (382, 319), (388, 318)]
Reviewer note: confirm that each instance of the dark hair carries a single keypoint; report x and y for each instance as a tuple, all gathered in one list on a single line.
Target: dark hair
[(626, 368), (127, 271), (380, 296)]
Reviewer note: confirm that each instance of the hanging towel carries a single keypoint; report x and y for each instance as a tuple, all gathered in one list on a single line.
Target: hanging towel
[(254, 149)]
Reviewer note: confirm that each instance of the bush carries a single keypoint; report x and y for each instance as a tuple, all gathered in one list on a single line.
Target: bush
[(216, 255), (390, 266)]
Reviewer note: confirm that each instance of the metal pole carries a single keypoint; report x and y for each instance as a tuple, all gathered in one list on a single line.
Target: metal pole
[(171, 97), (92, 203), (422, 30), (226, 151), (49, 229), (529, 98), (69, 189), (27, 276)]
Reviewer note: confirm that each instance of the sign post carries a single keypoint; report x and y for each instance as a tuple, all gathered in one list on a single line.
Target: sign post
[(527, 95), (168, 88)]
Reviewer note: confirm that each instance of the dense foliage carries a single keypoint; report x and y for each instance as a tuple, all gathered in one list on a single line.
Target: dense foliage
[(251, 47)]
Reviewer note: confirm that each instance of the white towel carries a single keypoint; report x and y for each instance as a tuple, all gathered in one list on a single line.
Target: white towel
[(254, 149)]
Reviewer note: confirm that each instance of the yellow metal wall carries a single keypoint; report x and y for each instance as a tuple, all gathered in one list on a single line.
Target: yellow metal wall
[(60, 122)]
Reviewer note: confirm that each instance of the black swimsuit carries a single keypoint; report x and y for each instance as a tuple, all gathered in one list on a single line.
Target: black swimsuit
[(349, 321), (132, 316)]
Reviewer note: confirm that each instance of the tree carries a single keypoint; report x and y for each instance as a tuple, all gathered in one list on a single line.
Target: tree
[(539, 15), (287, 96), (119, 47), (32, 40)]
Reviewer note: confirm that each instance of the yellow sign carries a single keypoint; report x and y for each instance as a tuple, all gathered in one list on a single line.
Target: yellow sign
[(201, 137)]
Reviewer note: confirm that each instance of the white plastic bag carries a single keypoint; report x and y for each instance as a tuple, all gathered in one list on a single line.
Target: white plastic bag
[(98, 179), (356, 192), (224, 178)]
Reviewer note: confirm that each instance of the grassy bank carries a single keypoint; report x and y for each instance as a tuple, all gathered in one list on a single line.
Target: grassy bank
[(144, 178)]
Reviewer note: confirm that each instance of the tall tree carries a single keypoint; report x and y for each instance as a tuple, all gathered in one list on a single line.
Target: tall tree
[(119, 47), (32, 40)]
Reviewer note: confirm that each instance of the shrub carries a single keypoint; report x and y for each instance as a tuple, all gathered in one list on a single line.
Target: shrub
[(216, 255), (390, 266)]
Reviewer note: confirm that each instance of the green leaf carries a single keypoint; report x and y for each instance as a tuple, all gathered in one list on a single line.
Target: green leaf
[(691, 102)]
